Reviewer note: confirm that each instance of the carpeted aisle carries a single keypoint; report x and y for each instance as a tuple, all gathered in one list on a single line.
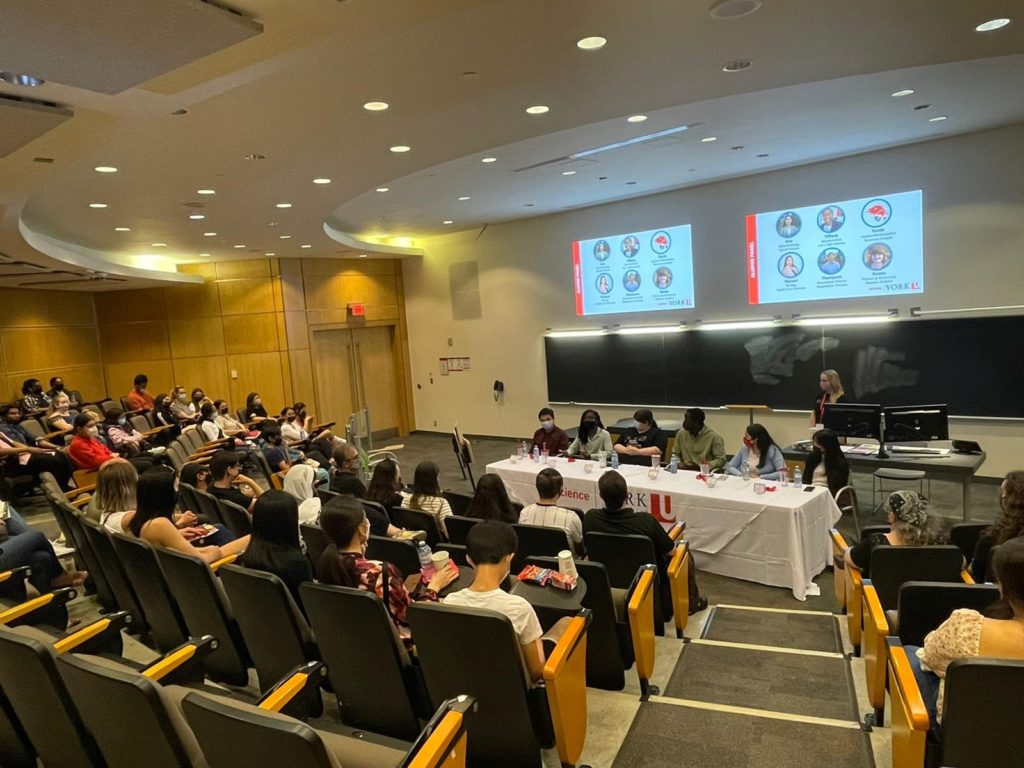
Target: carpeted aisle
[(806, 631)]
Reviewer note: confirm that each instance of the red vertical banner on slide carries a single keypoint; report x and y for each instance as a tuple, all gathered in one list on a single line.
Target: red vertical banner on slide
[(753, 296), (577, 276)]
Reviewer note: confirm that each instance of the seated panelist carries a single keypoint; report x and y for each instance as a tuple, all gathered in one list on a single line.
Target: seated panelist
[(642, 441), (760, 453), (592, 441)]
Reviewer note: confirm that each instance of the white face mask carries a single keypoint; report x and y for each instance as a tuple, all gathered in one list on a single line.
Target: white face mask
[(183, 397), (548, 425)]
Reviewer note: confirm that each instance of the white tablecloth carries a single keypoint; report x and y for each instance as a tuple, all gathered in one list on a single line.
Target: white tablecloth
[(779, 538)]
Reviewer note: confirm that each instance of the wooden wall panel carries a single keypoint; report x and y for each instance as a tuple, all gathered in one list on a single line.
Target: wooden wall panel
[(37, 308), (227, 270), (199, 336), (120, 375), (250, 333), (258, 372), (302, 376), (125, 342), (130, 306), (192, 301), (210, 373), (30, 349), (245, 295), (296, 330)]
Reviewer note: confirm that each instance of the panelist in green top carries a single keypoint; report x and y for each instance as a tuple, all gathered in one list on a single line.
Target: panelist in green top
[(592, 441), (696, 443)]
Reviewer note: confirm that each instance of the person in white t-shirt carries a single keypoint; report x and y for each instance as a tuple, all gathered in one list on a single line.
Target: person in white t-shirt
[(546, 512), (490, 546)]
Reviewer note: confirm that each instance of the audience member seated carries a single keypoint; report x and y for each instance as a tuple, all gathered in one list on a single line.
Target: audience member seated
[(614, 517), (550, 437), (546, 511), (827, 465), (298, 484), (909, 525), (59, 418), (347, 466), (491, 501), (968, 634), (254, 410), (153, 521), (208, 425), (1010, 524), (592, 441), (87, 451), (123, 437), (113, 503), (344, 564), (57, 388), (697, 443), (229, 483), (295, 428), (280, 458), (760, 453), (182, 407), (643, 442), (23, 455), (197, 475), (21, 545), (162, 412), (490, 546), (139, 398), (274, 544), (33, 399), (198, 399), (228, 424), (384, 489), (425, 494)]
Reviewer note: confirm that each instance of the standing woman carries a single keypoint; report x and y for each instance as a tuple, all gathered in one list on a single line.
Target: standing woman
[(831, 392), (761, 454), (593, 439), (826, 465)]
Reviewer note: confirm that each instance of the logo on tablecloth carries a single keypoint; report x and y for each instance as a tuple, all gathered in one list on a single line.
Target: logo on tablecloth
[(661, 508)]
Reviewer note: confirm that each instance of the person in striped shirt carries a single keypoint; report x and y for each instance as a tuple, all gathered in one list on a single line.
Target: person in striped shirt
[(546, 512)]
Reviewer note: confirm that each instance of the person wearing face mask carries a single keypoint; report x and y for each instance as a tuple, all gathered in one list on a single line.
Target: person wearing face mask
[(24, 455), (229, 483), (182, 407), (831, 392), (592, 441), (344, 564), (59, 417), (642, 440), (33, 398), (126, 440), (347, 465), (255, 412), (760, 453), (199, 398), (827, 465), (697, 443), (57, 388), (86, 450), (139, 398), (228, 423), (550, 437)]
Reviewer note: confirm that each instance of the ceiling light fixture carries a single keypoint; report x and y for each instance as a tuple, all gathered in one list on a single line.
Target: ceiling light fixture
[(488, 159), (636, 118), (708, 139), (936, 119), (651, 329), (375, 106), (158, 245), (991, 25), (271, 253), (305, 245), (594, 43), (447, 221), (538, 109), (737, 326), (97, 205), (400, 148), (105, 169), (240, 245), (568, 173), (904, 92), (737, 65), (322, 180), (206, 192), (122, 229), (362, 255), (575, 334), (284, 205), (196, 216), (847, 320), (734, 9), (209, 234), (383, 189), (28, 81), (284, 237), (464, 198)]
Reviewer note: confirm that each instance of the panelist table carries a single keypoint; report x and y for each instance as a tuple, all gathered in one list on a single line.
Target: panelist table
[(778, 538), (960, 467)]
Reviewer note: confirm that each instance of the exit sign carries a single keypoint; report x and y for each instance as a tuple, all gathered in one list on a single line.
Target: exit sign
[(357, 310)]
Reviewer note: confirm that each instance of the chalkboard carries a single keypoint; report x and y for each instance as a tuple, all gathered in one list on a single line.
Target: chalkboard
[(974, 365)]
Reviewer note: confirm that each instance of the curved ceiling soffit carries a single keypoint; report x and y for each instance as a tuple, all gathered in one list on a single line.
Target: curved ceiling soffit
[(352, 241)]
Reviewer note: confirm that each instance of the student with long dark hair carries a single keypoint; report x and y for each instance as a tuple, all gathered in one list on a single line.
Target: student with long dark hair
[(254, 410), (592, 440), (344, 563), (760, 453), (491, 501), (274, 545), (425, 494), (1009, 525), (826, 466)]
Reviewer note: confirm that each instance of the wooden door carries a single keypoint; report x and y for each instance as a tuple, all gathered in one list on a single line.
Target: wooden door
[(335, 393), (376, 383)]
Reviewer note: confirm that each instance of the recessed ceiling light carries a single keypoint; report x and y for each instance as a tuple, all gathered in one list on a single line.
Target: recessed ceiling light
[(321, 181), (122, 229), (240, 245), (206, 192), (376, 106), (595, 43), (26, 80), (305, 245), (209, 234), (734, 9), (97, 205), (464, 198), (284, 237), (158, 245), (383, 189), (105, 169), (708, 139), (538, 109), (737, 65), (284, 205), (568, 173), (904, 92), (270, 254), (991, 25), (636, 118), (362, 255), (400, 148), (937, 119), (204, 255), (196, 216), (447, 221), (488, 159)]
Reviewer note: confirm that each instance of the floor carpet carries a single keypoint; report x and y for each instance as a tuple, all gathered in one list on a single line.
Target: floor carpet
[(807, 632)]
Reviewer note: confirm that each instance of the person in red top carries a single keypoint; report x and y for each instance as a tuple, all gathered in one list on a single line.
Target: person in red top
[(549, 437), (139, 398), (86, 450)]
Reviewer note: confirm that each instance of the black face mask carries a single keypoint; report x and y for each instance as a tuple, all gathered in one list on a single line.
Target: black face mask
[(37, 389), (59, 387), (589, 425)]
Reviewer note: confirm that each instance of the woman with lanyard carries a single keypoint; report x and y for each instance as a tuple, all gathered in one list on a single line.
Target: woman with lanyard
[(831, 392)]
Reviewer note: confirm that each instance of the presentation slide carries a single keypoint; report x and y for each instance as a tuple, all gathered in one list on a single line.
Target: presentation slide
[(634, 272), (868, 247)]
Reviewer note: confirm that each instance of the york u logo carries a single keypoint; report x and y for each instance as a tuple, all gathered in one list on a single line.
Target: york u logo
[(901, 286), (659, 505)]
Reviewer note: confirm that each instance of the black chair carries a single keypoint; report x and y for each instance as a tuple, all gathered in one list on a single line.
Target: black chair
[(458, 527), (622, 555), (891, 567), (264, 465), (316, 542), (117, 577), (205, 505), (609, 646), (16, 750), (924, 605), (537, 540), (204, 606), (399, 552), (275, 631), (980, 729), (166, 625), (236, 518), (459, 502), (355, 632), (965, 536), (418, 520)]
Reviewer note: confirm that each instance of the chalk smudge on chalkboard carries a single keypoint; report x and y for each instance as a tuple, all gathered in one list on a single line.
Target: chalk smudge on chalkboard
[(874, 371), (773, 358)]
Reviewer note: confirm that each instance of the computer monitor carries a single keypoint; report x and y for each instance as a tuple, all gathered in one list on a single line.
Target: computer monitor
[(853, 419), (915, 423)]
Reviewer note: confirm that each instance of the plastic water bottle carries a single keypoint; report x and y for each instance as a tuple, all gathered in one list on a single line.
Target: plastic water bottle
[(745, 471), (423, 553), (798, 478), (526, 449), (615, 461), (673, 466), (536, 455), (602, 459), (519, 450)]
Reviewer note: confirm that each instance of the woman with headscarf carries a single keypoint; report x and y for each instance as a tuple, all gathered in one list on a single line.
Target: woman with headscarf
[(910, 525), (298, 484)]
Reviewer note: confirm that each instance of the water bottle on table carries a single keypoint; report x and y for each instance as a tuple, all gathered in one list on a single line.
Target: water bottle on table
[(536, 455), (673, 465), (798, 478), (745, 471), (423, 553), (615, 461)]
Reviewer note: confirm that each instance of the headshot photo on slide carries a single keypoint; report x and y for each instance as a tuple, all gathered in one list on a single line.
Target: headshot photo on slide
[(831, 261), (831, 219), (788, 224), (604, 284), (791, 265), (602, 250), (631, 281), (877, 256), (630, 246), (662, 277)]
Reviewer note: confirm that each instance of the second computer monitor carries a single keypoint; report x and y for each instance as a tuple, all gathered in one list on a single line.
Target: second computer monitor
[(916, 423), (853, 419)]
